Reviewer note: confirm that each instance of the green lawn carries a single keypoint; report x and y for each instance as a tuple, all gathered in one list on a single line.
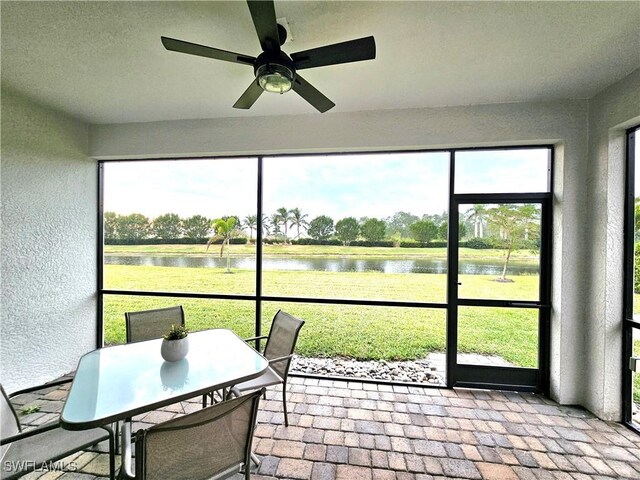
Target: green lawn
[(336, 330)]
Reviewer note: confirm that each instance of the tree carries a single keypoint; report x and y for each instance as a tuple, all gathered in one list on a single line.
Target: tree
[(321, 228), (274, 222), (298, 220), (196, 227), (224, 229), (167, 226), (266, 226), (251, 222), (347, 230), (517, 226), (423, 231), (110, 226), (284, 217), (399, 224), (443, 230), (478, 215), (373, 229), (132, 227)]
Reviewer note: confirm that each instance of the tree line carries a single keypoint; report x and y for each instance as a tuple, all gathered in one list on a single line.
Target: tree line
[(285, 225)]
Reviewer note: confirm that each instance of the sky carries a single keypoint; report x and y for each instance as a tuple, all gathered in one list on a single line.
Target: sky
[(371, 185)]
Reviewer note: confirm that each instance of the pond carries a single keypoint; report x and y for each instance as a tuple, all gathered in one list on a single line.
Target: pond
[(329, 264)]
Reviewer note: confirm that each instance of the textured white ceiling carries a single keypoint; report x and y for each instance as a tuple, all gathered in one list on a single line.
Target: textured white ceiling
[(103, 61)]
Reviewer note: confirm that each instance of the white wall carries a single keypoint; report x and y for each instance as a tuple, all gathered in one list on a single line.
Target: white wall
[(48, 293), (611, 112), (562, 123), (48, 239)]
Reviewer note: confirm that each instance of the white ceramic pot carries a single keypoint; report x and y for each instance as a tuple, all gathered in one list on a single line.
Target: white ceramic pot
[(174, 350)]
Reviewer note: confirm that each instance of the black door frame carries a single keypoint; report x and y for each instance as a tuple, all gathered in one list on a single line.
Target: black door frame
[(494, 377), (628, 322)]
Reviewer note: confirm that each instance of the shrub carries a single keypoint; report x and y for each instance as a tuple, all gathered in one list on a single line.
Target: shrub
[(636, 276), (411, 244), (477, 243), (313, 241), (369, 243), (169, 241)]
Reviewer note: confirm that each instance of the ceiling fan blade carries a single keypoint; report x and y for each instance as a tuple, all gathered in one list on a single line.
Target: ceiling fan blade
[(344, 52), (250, 95), (203, 51), (312, 95), (263, 14)]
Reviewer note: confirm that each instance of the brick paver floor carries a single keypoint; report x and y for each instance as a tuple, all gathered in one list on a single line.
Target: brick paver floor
[(358, 431)]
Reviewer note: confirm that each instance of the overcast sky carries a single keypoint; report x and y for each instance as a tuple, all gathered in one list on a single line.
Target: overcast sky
[(376, 185)]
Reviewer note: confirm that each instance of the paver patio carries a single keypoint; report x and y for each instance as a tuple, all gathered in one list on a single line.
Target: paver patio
[(359, 431)]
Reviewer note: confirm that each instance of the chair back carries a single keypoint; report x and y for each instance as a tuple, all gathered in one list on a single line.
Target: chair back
[(200, 445), (150, 324), (9, 423), (282, 340)]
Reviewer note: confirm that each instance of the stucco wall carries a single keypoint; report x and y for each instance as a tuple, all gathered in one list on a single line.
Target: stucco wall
[(561, 123), (611, 112), (48, 232), (48, 239)]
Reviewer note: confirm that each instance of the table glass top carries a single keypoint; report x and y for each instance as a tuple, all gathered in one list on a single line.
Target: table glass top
[(117, 382)]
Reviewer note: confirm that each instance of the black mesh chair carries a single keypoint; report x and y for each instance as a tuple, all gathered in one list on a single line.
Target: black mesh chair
[(42, 446), (281, 343), (151, 324), (211, 443)]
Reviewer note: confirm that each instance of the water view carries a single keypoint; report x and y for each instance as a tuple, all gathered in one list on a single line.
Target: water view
[(329, 264)]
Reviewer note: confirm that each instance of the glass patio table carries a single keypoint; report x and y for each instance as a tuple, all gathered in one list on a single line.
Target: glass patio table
[(116, 383)]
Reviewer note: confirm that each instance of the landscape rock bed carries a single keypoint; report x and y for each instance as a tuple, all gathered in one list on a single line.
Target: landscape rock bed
[(420, 371)]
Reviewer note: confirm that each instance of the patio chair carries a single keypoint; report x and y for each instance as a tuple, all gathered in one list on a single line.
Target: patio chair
[(214, 442), (281, 342), (41, 447), (151, 324)]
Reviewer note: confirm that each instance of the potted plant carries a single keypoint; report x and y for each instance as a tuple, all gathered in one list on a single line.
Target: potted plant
[(175, 344)]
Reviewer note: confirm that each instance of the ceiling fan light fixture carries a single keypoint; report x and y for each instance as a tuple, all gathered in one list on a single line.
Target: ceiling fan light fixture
[(275, 78)]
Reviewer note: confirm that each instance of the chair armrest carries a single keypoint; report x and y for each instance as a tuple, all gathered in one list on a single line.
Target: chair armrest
[(40, 387), (41, 429), (126, 450), (261, 337), (30, 433), (280, 359)]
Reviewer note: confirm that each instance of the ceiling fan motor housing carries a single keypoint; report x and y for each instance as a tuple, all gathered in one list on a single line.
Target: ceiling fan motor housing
[(275, 71)]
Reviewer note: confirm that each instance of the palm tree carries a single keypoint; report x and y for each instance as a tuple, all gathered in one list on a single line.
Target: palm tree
[(250, 222), (266, 226), (224, 229), (275, 221), (478, 215), (285, 218), (298, 220)]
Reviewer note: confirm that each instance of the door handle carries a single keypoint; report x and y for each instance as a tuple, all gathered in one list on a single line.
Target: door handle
[(634, 364)]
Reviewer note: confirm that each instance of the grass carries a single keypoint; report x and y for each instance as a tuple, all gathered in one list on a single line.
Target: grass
[(310, 250), (362, 332)]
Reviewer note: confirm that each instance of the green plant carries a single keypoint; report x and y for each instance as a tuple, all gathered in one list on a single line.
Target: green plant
[(636, 268), (176, 332), (29, 409)]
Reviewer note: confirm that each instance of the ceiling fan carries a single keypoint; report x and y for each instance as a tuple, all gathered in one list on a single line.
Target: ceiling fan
[(276, 71)]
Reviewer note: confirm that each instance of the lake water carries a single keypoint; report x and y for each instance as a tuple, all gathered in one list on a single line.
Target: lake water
[(327, 264)]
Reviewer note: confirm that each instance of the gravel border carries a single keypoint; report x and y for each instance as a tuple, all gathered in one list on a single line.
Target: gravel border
[(419, 371)]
